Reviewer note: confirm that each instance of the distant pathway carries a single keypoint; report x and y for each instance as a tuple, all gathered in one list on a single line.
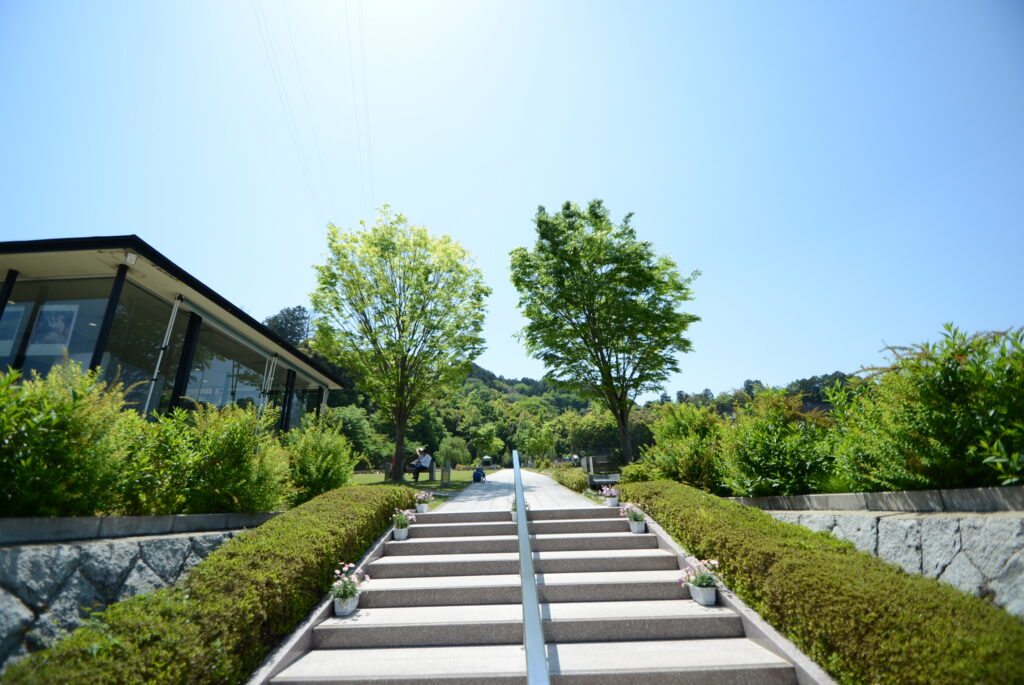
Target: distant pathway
[(496, 492)]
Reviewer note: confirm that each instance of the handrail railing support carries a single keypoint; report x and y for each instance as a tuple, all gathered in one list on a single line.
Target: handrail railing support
[(533, 629)]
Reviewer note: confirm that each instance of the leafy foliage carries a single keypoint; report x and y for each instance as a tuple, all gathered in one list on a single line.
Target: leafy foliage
[(687, 447), (601, 308), (294, 324), (319, 459), (453, 450), (403, 310), (861, 619), (191, 632)]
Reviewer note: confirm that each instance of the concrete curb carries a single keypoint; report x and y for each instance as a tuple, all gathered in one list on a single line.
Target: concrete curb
[(20, 531), (962, 500), (301, 640), (756, 628)]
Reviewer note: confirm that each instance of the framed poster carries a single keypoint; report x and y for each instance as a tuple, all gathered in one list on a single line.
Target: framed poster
[(52, 330), (9, 325)]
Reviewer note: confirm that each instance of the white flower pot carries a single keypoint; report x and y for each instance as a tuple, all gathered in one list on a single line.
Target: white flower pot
[(611, 501), (422, 508), (344, 607), (707, 596), (637, 526), (401, 533), (514, 519)]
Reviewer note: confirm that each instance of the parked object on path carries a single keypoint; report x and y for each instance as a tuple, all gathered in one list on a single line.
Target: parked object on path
[(479, 476)]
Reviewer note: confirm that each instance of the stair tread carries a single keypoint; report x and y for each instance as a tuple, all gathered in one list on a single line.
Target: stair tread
[(539, 536), (410, 560), (483, 660), (507, 579), (557, 611)]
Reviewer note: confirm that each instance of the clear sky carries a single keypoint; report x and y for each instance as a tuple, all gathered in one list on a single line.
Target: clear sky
[(845, 174)]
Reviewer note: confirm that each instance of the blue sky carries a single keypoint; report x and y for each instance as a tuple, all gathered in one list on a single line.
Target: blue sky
[(845, 175)]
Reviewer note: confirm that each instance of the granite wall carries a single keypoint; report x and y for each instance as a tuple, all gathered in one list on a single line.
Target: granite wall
[(47, 589), (982, 554)]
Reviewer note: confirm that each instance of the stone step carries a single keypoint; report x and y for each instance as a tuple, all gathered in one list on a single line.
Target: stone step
[(505, 588), (595, 512), (463, 517), (548, 527), (413, 565), (502, 624), (509, 543), (686, 662)]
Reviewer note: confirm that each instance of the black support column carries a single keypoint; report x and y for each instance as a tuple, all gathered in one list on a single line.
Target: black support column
[(286, 401), (5, 291), (188, 353), (108, 316)]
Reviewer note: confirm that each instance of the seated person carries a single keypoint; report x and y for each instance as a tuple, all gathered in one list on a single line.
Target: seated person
[(421, 464), (478, 474)]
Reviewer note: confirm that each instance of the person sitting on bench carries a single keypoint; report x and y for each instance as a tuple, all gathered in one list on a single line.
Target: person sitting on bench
[(421, 464)]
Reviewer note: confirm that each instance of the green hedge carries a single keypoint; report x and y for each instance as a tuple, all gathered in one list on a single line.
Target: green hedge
[(862, 619), (219, 622), (574, 479)]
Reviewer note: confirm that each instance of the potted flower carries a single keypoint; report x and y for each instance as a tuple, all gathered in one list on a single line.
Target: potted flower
[(401, 520), (701, 583), (635, 516), (345, 588), (611, 496), (423, 500), (513, 509)]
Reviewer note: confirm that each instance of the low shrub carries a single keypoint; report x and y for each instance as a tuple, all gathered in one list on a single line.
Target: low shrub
[(574, 479), (218, 623), (319, 459), (687, 446), (60, 457), (861, 619), (640, 471)]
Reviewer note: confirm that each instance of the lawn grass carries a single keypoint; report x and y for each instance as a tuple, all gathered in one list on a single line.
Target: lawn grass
[(459, 481)]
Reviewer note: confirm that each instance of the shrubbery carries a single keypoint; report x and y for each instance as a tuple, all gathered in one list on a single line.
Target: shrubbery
[(70, 450), (863, 620), (943, 415), (574, 479), (218, 623)]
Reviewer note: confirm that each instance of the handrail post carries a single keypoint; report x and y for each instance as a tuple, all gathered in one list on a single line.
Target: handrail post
[(533, 629)]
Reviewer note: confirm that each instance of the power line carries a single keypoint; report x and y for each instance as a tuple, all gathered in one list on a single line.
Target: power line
[(268, 47), (305, 98)]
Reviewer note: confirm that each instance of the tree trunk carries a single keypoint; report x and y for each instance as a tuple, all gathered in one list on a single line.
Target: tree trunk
[(398, 461), (625, 437)]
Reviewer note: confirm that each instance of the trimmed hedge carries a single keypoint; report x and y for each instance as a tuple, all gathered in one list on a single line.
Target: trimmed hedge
[(862, 619), (574, 479), (217, 624)]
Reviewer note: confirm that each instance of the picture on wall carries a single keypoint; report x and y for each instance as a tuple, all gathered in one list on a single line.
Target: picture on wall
[(52, 330), (9, 325)]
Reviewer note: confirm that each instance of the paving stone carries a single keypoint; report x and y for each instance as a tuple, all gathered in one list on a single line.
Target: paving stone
[(166, 555), (989, 541), (107, 564), (899, 542), (963, 575), (940, 542), (35, 573), (861, 530), (15, 619), (141, 579)]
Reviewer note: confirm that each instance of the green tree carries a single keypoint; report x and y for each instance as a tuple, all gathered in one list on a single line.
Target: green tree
[(291, 323), (404, 310), (453, 450), (602, 308)]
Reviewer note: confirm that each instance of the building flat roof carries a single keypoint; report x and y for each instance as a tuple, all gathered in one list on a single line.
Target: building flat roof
[(101, 255)]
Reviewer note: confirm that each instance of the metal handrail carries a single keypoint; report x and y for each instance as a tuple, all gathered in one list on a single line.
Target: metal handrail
[(533, 629)]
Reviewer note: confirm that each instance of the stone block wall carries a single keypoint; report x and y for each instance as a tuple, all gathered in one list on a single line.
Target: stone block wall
[(982, 554), (46, 590)]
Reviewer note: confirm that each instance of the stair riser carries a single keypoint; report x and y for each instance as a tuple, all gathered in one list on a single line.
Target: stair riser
[(464, 517), (703, 676), (510, 594), (487, 545), (473, 568), (458, 531), (669, 628), (588, 513), (619, 525)]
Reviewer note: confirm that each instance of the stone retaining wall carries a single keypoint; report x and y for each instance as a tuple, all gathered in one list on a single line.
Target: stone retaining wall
[(982, 554), (48, 589)]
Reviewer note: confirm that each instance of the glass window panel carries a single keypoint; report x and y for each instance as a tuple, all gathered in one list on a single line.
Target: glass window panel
[(44, 321), (224, 371), (133, 346)]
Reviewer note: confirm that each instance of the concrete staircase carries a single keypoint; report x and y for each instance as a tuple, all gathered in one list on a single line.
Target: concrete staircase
[(443, 606)]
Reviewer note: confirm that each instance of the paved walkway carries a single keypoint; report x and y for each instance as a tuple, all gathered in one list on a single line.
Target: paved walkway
[(495, 494)]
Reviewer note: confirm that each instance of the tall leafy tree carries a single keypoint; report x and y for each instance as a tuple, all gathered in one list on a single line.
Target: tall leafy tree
[(603, 309), (404, 310), (291, 323)]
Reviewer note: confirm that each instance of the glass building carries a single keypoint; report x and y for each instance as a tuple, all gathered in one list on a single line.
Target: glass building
[(118, 304)]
